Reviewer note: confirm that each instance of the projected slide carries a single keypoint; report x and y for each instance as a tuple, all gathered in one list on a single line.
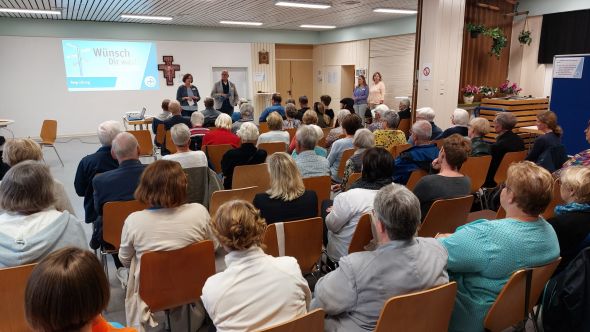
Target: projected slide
[(93, 65)]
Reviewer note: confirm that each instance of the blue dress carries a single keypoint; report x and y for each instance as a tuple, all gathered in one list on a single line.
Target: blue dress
[(482, 257)]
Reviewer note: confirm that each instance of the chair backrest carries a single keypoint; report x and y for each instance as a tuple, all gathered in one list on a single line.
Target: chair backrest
[(353, 178), (113, 219), (312, 321), (302, 240), (160, 133), (215, 153), (476, 168), (169, 144), (168, 279), (272, 147), (445, 215), (396, 150), (508, 309), (291, 132), (439, 142), (322, 187), (540, 275), (416, 175), (251, 175), (346, 154), (13, 281), (222, 196), (406, 312), (509, 158), (363, 234), (405, 125), (144, 138), (263, 127), (48, 131), (557, 200)]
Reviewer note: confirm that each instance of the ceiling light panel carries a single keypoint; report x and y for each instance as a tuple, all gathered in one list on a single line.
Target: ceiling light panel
[(311, 5)]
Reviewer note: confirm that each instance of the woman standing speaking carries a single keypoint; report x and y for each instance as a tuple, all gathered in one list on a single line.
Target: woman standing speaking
[(188, 95), (377, 91)]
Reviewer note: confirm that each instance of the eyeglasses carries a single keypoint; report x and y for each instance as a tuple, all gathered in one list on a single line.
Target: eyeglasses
[(505, 186)]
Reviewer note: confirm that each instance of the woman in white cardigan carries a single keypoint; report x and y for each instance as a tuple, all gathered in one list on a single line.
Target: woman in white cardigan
[(256, 290), (167, 224)]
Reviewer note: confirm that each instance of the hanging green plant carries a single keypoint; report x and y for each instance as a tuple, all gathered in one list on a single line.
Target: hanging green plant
[(525, 37), (499, 40), (475, 29)]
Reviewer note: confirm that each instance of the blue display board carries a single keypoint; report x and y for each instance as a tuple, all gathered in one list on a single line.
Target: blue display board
[(570, 98)]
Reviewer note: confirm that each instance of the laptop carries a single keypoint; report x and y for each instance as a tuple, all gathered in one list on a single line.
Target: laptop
[(135, 116)]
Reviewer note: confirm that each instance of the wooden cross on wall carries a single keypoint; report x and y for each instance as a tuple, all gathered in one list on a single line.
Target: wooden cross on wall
[(168, 69)]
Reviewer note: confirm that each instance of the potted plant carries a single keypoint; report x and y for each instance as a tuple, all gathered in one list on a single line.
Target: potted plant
[(487, 91), (499, 40), (475, 29), (509, 89), (469, 93), (525, 37)]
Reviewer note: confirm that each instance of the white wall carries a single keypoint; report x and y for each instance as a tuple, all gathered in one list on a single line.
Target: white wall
[(540, 7), (33, 85)]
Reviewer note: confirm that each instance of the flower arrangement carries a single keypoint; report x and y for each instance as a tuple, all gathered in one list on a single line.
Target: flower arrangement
[(499, 40), (525, 37), (509, 89), (487, 91), (470, 90), (475, 29)]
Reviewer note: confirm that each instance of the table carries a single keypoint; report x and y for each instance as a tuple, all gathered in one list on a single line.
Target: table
[(4, 123), (530, 130), (146, 121)]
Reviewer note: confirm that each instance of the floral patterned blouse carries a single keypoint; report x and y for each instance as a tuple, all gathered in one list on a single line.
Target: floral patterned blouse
[(386, 138)]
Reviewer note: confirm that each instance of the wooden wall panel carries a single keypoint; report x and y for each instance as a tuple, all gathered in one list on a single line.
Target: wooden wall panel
[(477, 66)]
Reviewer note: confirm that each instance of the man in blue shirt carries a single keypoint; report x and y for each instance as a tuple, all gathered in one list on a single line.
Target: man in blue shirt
[(276, 107), (420, 156)]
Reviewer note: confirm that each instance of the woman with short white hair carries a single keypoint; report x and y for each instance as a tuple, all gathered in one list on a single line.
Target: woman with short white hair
[(181, 137), (246, 154), (223, 134), (246, 115), (427, 113), (389, 136), (460, 121)]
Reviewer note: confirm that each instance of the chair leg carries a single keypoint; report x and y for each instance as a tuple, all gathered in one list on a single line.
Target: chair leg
[(168, 327), (58, 156), (188, 316)]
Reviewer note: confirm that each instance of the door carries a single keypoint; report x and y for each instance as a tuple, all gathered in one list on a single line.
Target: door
[(283, 68), (301, 80), (346, 81)]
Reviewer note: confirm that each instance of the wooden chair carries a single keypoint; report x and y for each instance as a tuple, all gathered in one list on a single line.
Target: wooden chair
[(363, 234), (353, 178), (445, 216), (487, 214), (518, 297), (439, 143), (291, 132), (321, 186), (160, 134), (13, 281), (48, 136), (557, 200), (346, 154), (251, 175), (476, 168), (405, 125), (263, 127), (169, 143), (415, 177), (221, 196), (144, 139), (302, 240), (215, 153), (509, 158), (312, 321), (406, 312), (396, 150), (169, 279), (272, 147)]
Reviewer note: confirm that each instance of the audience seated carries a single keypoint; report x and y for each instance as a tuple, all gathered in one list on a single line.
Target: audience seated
[(571, 220), (310, 118), (275, 107), (197, 131), (580, 159), (460, 121), (181, 136), (404, 110), (389, 135), (351, 124), (347, 104), (335, 133), (326, 100), (210, 113), (223, 134), (547, 151), (237, 115), (354, 294), (116, 185), (167, 224), (376, 123), (246, 154), (363, 139), (323, 119), (479, 127), (160, 118), (30, 228), (350, 205), (483, 254), (303, 103), (287, 199), (291, 114), (246, 115), (256, 290), (420, 156), (506, 141), (449, 182), (427, 113), (176, 118), (99, 162), (68, 291), (21, 149), (308, 161), (275, 133)]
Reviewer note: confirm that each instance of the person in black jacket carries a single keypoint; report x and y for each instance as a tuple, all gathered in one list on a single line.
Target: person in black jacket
[(176, 118), (506, 141), (460, 120), (246, 154)]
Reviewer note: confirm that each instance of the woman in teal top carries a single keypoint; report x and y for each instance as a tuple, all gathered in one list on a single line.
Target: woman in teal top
[(484, 254)]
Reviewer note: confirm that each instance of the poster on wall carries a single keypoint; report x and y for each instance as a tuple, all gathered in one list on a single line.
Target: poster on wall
[(570, 67)]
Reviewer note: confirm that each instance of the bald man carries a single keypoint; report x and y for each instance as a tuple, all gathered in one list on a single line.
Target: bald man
[(225, 94)]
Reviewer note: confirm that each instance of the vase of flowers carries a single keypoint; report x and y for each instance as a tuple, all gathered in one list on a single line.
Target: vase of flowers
[(487, 91), (469, 93), (509, 89)]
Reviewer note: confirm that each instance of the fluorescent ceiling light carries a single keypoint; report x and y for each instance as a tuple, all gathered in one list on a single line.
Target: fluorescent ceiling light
[(395, 11), (30, 11), (303, 4), (143, 17), (241, 23), (312, 26)]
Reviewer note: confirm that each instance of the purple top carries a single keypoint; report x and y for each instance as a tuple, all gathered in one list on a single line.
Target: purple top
[(360, 95)]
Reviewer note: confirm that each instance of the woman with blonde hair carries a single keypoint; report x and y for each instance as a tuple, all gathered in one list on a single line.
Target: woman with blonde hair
[(256, 290), (169, 223), (276, 132), (287, 198), (377, 91), (479, 127), (547, 151)]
